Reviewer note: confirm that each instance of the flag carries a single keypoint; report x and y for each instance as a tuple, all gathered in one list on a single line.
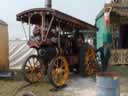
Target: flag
[(107, 15), (107, 18)]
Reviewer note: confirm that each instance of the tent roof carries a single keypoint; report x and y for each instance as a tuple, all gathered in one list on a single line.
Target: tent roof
[(3, 23)]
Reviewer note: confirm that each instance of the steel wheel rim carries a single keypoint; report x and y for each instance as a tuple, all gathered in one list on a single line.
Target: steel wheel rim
[(60, 71), (33, 69), (89, 61)]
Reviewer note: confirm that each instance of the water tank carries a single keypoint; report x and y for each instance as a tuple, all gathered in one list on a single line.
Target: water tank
[(4, 55), (108, 84)]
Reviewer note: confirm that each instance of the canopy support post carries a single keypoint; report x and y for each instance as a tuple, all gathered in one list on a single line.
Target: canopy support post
[(59, 45), (43, 26), (29, 22), (49, 27), (24, 31)]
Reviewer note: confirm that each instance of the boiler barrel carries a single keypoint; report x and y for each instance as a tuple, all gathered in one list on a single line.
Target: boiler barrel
[(107, 84), (49, 52)]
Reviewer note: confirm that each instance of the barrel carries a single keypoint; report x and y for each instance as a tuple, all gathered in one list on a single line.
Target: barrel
[(107, 84)]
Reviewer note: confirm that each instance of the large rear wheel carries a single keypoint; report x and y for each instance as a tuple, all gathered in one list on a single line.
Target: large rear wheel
[(33, 69), (89, 66), (58, 72)]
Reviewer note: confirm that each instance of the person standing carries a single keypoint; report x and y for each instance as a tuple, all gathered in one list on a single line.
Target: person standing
[(117, 39), (105, 56)]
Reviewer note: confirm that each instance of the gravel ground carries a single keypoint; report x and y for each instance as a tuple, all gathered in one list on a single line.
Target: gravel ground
[(81, 87), (77, 86)]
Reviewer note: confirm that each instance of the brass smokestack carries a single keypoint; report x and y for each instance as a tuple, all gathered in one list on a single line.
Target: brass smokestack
[(48, 3)]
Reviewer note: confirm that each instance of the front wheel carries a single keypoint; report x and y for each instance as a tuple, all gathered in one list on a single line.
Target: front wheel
[(58, 72), (33, 69)]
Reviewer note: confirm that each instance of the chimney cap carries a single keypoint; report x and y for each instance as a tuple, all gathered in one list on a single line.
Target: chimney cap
[(48, 3)]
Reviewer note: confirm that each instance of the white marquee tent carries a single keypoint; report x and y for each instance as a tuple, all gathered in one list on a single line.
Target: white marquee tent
[(18, 53)]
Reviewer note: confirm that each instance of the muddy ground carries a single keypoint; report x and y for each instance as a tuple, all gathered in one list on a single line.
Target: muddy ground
[(77, 86)]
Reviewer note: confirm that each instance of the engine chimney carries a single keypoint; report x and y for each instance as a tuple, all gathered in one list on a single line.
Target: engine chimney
[(48, 3)]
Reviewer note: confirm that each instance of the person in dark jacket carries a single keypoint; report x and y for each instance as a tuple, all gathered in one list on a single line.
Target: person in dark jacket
[(104, 55)]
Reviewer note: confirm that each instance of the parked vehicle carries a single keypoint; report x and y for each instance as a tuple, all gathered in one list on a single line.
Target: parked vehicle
[(56, 46)]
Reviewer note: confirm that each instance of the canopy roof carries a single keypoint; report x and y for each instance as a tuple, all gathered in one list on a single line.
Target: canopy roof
[(60, 16)]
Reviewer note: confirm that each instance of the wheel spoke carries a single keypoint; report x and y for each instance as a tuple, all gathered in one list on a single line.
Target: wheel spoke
[(62, 64), (37, 76), (30, 63), (35, 62), (27, 67), (56, 64)]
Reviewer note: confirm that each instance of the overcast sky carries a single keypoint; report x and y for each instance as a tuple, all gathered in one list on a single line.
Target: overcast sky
[(82, 9)]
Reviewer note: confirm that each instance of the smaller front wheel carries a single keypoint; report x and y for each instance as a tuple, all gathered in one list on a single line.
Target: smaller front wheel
[(58, 72), (33, 69)]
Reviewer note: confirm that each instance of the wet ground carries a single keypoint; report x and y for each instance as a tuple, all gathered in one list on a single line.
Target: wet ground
[(77, 86)]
